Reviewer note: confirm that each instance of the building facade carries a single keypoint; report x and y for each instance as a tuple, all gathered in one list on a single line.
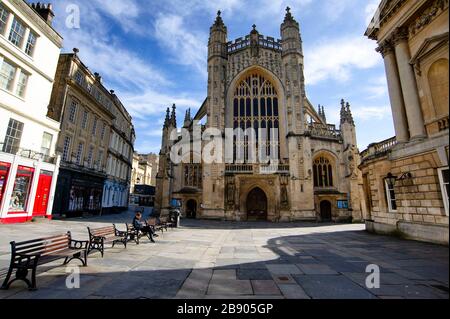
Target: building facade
[(142, 171), (143, 179), (406, 178), (85, 109), (153, 161), (29, 50), (120, 160), (257, 82)]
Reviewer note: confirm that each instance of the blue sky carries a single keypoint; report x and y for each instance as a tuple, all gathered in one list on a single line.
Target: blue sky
[(153, 53)]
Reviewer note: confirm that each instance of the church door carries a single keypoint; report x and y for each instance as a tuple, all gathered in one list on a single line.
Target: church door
[(325, 211), (256, 205)]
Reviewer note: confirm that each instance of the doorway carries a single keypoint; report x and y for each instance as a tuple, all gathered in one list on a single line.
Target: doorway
[(42, 194), (191, 209), (257, 205), (325, 211)]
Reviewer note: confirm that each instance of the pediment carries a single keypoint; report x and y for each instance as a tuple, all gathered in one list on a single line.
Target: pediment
[(385, 10), (428, 46)]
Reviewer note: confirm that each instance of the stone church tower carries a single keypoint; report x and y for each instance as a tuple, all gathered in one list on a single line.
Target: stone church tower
[(258, 82)]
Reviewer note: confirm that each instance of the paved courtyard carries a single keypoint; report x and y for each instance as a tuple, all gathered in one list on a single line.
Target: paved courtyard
[(207, 259)]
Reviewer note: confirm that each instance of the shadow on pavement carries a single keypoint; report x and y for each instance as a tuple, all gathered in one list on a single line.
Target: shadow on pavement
[(329, 265)]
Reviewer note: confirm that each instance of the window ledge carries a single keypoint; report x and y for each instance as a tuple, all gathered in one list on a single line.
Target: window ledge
[(17, 49), (12, 94)]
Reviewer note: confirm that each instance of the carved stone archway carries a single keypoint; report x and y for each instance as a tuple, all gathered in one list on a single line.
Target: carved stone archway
[(245, 184), (257, 205)]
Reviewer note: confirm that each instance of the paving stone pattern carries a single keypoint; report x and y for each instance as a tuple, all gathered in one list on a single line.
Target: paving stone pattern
[(209, 259)]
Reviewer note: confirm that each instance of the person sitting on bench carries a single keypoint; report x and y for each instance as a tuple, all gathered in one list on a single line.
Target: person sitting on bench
[(138, 224)]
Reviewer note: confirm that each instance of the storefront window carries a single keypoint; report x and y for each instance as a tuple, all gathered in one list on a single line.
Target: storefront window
[(21, 191), (4, 171), (85, 199)]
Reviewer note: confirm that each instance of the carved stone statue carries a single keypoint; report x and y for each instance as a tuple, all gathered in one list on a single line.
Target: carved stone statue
[(230, 192), (284, 196)]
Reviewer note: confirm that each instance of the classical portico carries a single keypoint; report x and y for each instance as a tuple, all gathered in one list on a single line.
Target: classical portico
[(406, 177), (403, 92)]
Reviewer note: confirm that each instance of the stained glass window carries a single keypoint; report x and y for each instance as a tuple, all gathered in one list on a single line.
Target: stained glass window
[(255, 104)]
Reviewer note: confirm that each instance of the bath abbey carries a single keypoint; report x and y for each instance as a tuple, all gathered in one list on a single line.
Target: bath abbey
[(257, 82)]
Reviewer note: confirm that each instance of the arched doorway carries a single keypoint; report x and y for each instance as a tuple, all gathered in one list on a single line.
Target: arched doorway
[(256, 205), (325, 211), (191, 209)]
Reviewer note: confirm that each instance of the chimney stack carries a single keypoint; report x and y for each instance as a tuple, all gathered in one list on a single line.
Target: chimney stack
[(45, 11)]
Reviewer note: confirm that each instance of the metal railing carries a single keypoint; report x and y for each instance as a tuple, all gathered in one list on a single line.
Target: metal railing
[(27, 153)]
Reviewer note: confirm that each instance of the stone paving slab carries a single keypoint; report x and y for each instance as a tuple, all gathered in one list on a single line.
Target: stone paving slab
[(284, 269), (230, 287), (223, 260), (265, 287), (293, 292), (332, 287)]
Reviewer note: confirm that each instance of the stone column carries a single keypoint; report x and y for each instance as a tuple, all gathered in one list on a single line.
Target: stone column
[(409, 85), (395, 92)]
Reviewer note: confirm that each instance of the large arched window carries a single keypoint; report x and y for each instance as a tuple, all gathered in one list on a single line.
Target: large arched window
[(193, 175), (323, 172), (256, 105)]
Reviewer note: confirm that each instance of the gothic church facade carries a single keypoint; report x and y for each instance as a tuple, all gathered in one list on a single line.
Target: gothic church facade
[(258, 82)]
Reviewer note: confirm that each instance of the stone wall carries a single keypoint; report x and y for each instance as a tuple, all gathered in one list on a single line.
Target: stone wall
[(419, 199)]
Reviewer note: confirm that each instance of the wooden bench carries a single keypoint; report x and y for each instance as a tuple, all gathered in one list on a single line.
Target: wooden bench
[(136, 234), (98, 237), (166, 222), (156, 225), (28, 255)]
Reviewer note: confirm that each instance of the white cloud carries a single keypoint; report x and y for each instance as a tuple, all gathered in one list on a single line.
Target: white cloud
[(152, 102), (370, 10), (185, 47), (377, 88), (368, 113), (101, 52), (335, 59)]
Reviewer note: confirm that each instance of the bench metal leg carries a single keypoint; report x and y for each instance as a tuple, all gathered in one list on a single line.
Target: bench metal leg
[(21, 274), (96, 246), (85, 258), (122, 241), (33, 279), (102, 249), (78, 256), (5, 285)]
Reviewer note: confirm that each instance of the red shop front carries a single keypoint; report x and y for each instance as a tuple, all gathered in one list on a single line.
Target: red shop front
[(4, 173), (42, 194), (20, 196)]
